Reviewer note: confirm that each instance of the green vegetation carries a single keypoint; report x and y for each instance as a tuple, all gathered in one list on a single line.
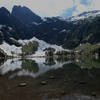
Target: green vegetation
[(88, 63), (30, 65), (30, 48), (93, 49), (49, 51), (89, 50), (83, 47), (50, 61), (2, 54), (15, 42)]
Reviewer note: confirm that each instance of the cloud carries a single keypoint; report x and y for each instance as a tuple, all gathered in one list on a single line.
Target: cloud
[(41, 7), (54, 7), (95, 4), (86, 5), (81, 6), (69, 12)]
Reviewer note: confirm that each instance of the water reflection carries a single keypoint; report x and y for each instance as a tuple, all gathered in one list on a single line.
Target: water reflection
[(10, 65), (30, 67), (74, 97), (50, 61), (62, 79), (36, 66), (87, 63)]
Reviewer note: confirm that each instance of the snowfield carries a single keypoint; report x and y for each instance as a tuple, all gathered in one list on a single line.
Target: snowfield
[(42, 45), (18, 70), (8, 49), (93, 15), (1, 26)]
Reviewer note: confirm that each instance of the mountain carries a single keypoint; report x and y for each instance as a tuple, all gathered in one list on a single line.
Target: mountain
[(8, 49), (25, 15), (22, 23), (11, 27), (7, 19), (84, 15)]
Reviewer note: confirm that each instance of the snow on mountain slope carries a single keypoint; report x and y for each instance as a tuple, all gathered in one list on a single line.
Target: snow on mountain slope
[(1, 26), (17, 69), (9, 49), (42, 45), (9, 66), (85, 15)]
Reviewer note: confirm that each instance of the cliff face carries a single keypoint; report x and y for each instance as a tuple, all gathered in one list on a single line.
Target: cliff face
[(25, 15), (2, 54)]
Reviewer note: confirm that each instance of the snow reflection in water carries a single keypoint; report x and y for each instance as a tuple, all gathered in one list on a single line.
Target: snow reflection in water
[(30, 67), (75, 97)]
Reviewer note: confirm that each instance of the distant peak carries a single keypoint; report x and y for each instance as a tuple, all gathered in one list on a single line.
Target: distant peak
[(3, 10), (89, 12), (25, 15), (19, 7)]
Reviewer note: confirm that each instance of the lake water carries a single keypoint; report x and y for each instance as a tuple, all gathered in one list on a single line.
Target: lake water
[(50, 79)]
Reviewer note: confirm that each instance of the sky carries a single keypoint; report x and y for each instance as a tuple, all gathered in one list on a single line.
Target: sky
[(53, 8)]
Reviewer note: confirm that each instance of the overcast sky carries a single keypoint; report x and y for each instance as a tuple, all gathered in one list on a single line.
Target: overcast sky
[(54, 7)]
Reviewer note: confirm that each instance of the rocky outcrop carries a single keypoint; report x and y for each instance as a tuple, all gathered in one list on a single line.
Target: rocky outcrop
[(3, 55)]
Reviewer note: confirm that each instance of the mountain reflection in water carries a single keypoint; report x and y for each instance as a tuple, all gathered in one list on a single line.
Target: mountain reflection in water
[(50, 79), (30, 67)]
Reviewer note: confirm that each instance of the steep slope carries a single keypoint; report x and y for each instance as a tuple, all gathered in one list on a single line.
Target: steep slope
[(42, 46), (16, 51), (53, 30), (66, 32), (71, 32), (84, 15), (25, 15)]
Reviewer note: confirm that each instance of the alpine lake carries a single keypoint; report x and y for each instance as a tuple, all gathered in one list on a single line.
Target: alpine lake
[(50, 79)]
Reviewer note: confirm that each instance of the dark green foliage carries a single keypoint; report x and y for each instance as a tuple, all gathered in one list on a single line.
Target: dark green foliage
[(2, 54), (89, 50), (30, 65), (50, 61), (49, 51), (15, 42), (92, 50), (8, 35), (30, 48)]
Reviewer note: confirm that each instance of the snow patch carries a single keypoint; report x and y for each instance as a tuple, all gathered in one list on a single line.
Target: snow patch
[(64, 30), (82, 17), (10, 65), (17, 69), (1, 26), (36, 23), (55, 29), (8, 49), (10, 28), (42, 45)]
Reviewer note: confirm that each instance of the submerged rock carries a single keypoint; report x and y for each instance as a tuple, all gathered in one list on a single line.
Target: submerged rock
[(52, 77), (82, 82), (22, 84), (63, 92), (93, 94), (43, 82)]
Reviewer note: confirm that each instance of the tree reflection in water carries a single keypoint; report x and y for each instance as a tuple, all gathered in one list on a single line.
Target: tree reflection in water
[(50, 61), (30, 65)]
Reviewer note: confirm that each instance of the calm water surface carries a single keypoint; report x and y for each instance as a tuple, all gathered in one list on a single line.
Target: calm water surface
[(50, 79)]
